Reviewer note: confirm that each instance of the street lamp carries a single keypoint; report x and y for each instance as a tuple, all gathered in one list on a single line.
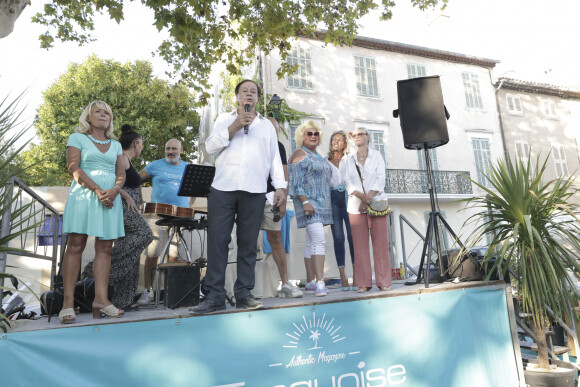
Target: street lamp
[(275, 105)]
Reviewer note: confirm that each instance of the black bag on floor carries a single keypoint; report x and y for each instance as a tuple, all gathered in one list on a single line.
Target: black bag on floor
[(52, 300)]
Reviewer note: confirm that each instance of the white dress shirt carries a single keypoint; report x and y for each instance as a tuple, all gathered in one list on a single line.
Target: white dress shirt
[(373, 173), (244, 162), (336, 178)]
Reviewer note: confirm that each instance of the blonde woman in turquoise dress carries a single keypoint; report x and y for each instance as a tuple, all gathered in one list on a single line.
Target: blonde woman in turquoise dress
[(93, 206)]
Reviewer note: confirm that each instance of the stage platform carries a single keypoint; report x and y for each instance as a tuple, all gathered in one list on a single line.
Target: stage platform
[(335, 294), (445, 335)]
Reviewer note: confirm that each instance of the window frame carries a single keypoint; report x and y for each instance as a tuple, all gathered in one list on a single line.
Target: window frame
[(366, 76), (303, 76), (549, 109), (560, 162), (526, 147), (472, 91), (485, 159), (515, 100), (415, 66)]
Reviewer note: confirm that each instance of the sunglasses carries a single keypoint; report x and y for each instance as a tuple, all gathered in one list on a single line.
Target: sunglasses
[(358, 135), (315, 134)]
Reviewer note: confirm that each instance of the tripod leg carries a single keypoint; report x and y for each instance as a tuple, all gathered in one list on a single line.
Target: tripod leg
[(426, 243), (438, 242)]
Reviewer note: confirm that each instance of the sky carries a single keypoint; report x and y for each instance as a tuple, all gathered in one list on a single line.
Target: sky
[(534, 40)]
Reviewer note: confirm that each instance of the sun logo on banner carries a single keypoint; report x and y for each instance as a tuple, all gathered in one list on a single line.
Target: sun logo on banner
[(313, 332)]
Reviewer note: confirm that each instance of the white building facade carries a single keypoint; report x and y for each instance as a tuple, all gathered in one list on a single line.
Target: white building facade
[(349, 87)]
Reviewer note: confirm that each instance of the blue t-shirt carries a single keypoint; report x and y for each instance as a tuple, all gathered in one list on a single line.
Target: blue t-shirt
[(166, 182)]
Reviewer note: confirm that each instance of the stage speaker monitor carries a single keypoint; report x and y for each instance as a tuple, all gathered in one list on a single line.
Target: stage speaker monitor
[(182, 282), (422, 114)]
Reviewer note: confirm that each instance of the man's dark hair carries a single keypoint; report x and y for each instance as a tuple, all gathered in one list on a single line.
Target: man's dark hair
[(237, 90)]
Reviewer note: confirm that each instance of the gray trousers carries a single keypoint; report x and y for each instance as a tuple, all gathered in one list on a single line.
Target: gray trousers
[(223, 209)]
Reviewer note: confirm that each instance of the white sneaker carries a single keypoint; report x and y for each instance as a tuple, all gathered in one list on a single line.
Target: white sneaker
[(144, 299), (320, 289), (310, 287), (289, 291)]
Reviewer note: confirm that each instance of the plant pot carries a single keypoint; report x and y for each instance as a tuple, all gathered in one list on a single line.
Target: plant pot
[(563, 376)]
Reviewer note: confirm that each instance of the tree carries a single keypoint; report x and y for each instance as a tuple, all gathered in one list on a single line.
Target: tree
[(205, 32), (156, 110)]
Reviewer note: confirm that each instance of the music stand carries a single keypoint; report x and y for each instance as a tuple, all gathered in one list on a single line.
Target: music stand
[(196, 180)]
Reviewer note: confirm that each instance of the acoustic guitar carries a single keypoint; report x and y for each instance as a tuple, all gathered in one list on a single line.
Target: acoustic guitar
[(168, 209)]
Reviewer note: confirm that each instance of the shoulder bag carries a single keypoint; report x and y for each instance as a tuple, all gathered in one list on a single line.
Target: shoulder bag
[(377, 207)]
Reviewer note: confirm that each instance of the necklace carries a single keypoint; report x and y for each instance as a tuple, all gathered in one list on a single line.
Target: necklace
[(105, 142), (361, 158)]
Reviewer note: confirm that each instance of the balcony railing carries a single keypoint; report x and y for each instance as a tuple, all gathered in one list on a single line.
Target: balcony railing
[(412, 181)]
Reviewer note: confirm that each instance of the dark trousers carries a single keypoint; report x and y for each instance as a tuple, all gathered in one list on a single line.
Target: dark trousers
[(223, 209), (340, 216)]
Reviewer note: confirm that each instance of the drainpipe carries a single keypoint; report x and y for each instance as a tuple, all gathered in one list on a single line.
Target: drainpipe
[(505, 151)]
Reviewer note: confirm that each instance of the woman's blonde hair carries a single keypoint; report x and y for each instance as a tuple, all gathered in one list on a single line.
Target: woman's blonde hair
[(84, 125), (344, 137), (301, 131)]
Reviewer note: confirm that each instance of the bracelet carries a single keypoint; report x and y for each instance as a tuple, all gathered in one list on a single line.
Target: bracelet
[(305, 202), (96, 187), (118, 189)]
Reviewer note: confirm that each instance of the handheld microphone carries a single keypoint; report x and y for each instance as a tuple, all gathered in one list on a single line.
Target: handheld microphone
[(246, 109)]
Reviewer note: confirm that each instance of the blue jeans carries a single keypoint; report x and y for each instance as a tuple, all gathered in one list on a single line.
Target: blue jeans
[(338, 201)]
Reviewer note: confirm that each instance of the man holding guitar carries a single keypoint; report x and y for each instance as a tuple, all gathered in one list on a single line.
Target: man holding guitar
[(246, 147), (166, 174)]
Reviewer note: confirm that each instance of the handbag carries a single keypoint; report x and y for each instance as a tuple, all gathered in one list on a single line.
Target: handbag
[(51, 301), (377, 207)]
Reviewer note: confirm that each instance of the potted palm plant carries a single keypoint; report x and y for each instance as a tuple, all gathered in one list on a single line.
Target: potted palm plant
[(11, 132), (534, 228)]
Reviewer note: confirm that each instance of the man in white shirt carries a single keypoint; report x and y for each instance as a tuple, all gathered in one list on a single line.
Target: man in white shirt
[(247, 149)]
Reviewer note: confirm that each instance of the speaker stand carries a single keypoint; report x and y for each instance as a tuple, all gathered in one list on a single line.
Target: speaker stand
[(433, 232)]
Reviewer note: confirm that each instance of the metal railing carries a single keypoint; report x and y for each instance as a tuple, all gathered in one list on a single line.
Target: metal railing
[(414, 181), (35, 223)]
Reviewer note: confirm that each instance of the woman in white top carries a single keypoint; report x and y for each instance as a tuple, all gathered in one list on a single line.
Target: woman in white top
[(339, 199), (371, 165)]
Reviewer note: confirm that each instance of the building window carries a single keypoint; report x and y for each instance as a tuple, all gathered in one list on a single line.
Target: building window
[(415, 71), (514, 104), (366, 76), (549, 108), (560, 160), (377, 143), (472, 93), (522, 150), (482, 156), (302, 78)]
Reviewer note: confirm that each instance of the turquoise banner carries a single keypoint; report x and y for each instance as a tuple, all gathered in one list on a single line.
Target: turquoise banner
[(448, 338)]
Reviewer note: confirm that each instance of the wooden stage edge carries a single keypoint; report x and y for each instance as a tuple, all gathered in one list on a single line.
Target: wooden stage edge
[(335, 295)]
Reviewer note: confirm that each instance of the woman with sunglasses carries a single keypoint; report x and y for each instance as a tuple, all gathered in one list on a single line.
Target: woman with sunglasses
[(364, 177), (310, 177)]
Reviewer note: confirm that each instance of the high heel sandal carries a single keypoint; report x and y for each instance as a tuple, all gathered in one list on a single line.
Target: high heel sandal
[(67, 316), (110, 311)]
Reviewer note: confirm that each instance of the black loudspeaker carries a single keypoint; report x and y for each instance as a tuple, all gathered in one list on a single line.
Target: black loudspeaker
[(422, 113), (181, 285)]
